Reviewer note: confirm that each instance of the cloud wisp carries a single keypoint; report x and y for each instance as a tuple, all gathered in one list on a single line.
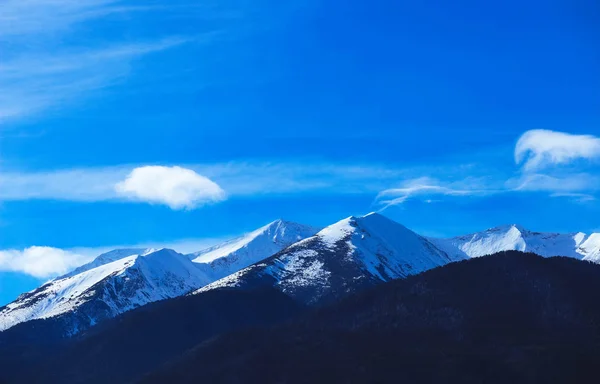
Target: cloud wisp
[(42, 67), (559, 184), (192, 185), (43, 18), (426, 188), (536, 151), (29, 88), (176, 187)]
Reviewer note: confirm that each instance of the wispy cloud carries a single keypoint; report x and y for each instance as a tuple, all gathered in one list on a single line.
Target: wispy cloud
[(41, 70), (539, 148), (234, 178), (176, 187), (391, 185), (536, 182), (536, 151), (426, 187), (29, 86), (280, 177), (94, 184), (577, 197), (37, 17)]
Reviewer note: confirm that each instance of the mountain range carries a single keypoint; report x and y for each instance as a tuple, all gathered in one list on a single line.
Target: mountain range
[(311, 265), (511, 317), (135, 310), (124, 279), (516, 238), (345, 257)]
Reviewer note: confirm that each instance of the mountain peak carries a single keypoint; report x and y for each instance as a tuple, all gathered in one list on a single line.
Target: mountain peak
[(161, 252), (279, 222), (108, 289), (346, 226), (375, 218), (240, 252), (514, 237), (351, 253), (509, 227), (106, 258)]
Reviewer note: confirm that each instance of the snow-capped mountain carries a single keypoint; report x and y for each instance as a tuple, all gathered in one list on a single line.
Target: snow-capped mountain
[(109, 257), (231, 256), (514, 237), (112, 284), (310, 265), (351, 254), (123, 279), (590, 248)]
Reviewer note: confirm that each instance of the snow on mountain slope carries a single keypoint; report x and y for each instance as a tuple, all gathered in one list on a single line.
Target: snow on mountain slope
[(349, 255), (108, 257), (590, 248), (107, 290), (514, 237), (123, 279), (227, 258)]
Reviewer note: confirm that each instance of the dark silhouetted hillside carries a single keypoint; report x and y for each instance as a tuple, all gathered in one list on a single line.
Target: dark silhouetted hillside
[(123, 348), (511, 317)]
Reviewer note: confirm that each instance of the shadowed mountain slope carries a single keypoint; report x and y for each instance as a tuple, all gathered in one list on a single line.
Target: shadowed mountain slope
[(510, 317)]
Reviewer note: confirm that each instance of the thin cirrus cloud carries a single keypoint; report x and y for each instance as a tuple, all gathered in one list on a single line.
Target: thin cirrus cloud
[(37, 31), (426, 187), (29, 88), (191, 186), (544, 158), (538, 149), (392, 185), (22, 18), (176, 187), (562, 184)]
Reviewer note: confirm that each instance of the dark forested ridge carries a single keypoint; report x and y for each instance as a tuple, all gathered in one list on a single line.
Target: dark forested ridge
[(125, 347), (510, 317)]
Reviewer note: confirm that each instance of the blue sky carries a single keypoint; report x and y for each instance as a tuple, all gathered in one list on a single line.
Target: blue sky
[(182, 123)]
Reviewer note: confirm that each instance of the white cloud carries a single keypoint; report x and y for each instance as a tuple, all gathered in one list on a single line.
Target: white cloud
[(237, 178), (41, 262), (538, 149), (45, 262), (280, 178), (176, 187), (242, 179)]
